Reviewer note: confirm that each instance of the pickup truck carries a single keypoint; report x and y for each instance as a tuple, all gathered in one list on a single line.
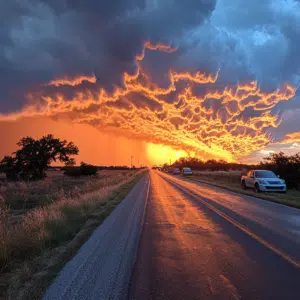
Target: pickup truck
[(263, 181)]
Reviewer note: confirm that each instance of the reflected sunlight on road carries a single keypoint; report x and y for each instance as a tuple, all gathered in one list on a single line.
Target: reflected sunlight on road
[(254, 209)]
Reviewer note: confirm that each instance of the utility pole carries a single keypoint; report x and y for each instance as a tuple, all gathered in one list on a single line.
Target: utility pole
[(170, 161), (131, 162)]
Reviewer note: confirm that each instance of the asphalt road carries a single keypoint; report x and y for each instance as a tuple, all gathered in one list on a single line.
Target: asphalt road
[(201, 242), (174, 239)]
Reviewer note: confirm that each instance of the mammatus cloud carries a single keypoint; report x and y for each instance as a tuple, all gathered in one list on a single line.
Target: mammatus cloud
[(192, 113), (41, 40), (72, 81), (213, 92), (291, 138)]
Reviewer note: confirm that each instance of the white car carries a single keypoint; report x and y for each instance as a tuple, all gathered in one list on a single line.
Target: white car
[(263, 181), (187, 171), (176, 171)]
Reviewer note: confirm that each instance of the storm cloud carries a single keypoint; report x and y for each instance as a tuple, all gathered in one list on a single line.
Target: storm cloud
[(42, 40), (99, 41)]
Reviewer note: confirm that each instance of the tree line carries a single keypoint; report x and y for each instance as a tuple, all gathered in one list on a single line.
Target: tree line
[(286, 166), (211, 164)]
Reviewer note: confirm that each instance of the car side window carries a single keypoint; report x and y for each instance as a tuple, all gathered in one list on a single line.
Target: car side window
[(249, 174)]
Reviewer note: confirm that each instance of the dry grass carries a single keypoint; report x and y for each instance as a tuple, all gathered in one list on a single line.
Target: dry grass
[(22, 196), (4, 239), (44, 228), (231, 181)]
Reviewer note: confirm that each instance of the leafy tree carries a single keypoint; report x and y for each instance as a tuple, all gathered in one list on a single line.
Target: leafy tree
[(288, 167), (278, 158), (34, 156), (10, 167)]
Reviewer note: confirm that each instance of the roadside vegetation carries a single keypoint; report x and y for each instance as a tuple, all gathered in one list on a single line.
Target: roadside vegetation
[(21, 196), (47, 214), (41, 230)]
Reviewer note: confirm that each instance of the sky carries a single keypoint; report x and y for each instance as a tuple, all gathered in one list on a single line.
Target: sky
[(153, 80)]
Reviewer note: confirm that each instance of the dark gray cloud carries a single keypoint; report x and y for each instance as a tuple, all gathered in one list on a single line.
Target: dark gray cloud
[(41, 40)]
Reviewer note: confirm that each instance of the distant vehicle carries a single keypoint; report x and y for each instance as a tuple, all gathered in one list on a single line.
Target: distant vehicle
[(176, 171), (263, 181), (168, 170), (187, 171)]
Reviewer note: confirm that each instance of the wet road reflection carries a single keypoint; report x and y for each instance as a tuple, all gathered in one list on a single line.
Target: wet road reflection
[(188, 252)]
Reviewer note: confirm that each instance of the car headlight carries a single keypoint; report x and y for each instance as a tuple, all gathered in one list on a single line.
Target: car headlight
[(283, 181), (261, 182)]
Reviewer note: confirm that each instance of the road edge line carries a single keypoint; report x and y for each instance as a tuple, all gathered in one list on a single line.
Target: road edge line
[(243, 228)]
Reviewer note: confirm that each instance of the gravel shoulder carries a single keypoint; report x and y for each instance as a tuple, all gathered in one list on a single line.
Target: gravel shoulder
[(103, 266)]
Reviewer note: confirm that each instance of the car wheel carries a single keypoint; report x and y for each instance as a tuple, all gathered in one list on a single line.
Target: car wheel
[(256, 188), (244, 185)]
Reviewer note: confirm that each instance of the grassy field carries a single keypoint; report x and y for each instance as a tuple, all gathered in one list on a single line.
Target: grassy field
[(231, 181), (35, 248), (23, 196)]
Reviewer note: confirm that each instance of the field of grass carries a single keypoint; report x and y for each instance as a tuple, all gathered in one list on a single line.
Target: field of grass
[(47, 236), (231, 181), (23, 196)]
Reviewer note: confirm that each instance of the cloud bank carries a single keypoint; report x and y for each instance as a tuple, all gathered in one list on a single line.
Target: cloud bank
[(208, 77)]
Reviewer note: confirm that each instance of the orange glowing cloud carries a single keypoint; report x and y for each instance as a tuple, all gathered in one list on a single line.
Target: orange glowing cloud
[(291, 138), (160, 47), (72, 81), (157, 47), (225, 123)]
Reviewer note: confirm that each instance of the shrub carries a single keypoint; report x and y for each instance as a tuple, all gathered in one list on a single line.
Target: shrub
[(72, 171), (87, 169), (84, 169)]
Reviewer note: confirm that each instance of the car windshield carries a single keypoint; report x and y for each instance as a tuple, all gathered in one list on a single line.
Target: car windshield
[(187, 169), (265, 174)]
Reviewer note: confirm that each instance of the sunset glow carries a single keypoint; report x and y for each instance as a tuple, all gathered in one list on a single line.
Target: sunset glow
[(161, 154), (291, 138), (220, 122)]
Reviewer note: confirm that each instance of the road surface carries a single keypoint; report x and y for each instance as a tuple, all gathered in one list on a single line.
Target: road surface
[(174, 239), (201, 242)]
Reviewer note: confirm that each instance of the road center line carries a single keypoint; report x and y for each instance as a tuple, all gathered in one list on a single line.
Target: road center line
[(246, 230)]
